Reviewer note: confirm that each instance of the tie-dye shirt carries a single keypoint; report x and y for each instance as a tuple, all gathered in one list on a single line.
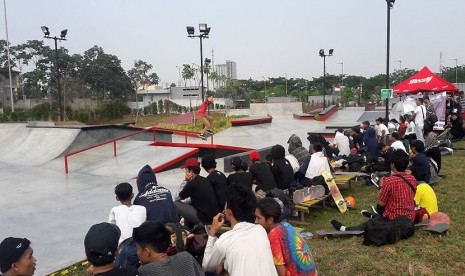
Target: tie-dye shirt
[(290, 250)]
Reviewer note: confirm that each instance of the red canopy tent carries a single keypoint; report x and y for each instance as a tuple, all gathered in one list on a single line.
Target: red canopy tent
[(424, 81)]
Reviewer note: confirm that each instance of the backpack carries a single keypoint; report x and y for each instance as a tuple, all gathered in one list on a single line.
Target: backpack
[(127, 254), (381, 232)]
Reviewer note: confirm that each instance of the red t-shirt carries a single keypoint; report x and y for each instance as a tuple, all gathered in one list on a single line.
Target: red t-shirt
[(398, 196), (202, 109)]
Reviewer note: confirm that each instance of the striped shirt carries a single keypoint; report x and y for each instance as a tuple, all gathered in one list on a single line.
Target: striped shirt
[(180, 264)]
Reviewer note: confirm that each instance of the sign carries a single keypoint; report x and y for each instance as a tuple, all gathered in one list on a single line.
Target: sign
[(386, 94)]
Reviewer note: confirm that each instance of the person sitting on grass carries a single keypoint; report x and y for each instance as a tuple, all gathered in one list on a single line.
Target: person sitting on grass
[(205, 118), (156, 199), (396, 142), (216, 178), (16, 257), (425, 197), (203, 204), (126, 216), (419, 158), (261, 173), (395, 198), (101, 247), (384, 159), (245, 249), (457, 127), (291, 254), (240, 175), (152, 242)]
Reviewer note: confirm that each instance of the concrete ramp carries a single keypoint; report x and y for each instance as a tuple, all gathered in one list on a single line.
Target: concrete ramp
[(275, 109), (21, 143)]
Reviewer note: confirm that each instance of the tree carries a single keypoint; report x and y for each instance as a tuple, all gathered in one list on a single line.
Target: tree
[(187, 73), (346, 96)]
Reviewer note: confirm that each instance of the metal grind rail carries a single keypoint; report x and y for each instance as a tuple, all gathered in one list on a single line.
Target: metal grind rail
[(184, 133)]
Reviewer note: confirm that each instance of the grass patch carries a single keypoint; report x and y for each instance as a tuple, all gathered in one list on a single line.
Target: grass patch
[(427, 254)]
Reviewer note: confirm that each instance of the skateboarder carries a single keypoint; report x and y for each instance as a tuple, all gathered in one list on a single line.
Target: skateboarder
[(205, 118)]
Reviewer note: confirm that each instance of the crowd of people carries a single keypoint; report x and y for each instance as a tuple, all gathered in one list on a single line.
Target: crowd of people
[(243, 215)]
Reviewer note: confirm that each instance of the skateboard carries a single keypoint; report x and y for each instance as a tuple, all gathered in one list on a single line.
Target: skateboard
[(308, 193), (207, 135), (439, 228), (334, 191), (334, 233)]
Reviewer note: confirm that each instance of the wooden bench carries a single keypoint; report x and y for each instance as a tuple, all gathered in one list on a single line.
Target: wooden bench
[(304, 208), (344, 180)]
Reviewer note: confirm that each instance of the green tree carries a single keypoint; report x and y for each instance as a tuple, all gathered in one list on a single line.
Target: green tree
[(346, 96), (187, 73)]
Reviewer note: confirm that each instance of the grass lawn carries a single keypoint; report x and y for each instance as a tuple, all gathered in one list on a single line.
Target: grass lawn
[(427, 254)]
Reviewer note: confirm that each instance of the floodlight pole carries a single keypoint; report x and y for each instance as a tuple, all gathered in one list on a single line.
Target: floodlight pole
[(323, 55), (8, 56), (203, 34), (390, 5)]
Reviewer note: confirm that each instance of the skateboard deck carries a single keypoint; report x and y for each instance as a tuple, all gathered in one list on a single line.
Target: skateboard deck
[(423, 223), (439, 228), (335, 233), (207, 135), (308, 193), (334, 191)]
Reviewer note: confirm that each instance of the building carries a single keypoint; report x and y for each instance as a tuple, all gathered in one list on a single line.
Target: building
[(227, 70), (5, 93)]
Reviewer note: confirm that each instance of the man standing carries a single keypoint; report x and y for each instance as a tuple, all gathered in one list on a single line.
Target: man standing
[(203, 204), (245, 249), (291, 254), (16, 257), (419, 114), (431, 117), (381, 130)]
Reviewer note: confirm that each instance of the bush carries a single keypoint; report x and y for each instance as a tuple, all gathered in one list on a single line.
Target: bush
[(112, 110), (40, 112)]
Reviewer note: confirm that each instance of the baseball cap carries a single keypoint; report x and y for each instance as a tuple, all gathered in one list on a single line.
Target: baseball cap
[(11, 249), (236, 161), (101, 243), (254, 155), (191, 162), (339, 130)]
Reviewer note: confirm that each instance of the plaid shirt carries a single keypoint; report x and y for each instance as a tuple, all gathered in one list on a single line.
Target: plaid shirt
[(398, 196)]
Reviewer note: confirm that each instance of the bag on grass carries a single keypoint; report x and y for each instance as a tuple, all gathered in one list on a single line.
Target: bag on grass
[(381, 232)]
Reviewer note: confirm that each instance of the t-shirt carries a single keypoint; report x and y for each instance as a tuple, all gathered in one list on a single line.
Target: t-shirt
[(203, 198), (318, 164), (410, 128), (420, 115), (342, 143), (379, 130), (421, 160), (290, 250), (398, 196), (127, 218), (202, 109), (242, 178), (125, 271), (261, 173), (220, 185), (426, 198), (179, 264), (398, 145)]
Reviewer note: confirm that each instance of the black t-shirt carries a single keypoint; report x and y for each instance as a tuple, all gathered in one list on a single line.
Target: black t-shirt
[(457, 128), (283, 173), (125, 271), (261, 173), (203, 198), (220, 185), (241, 178)]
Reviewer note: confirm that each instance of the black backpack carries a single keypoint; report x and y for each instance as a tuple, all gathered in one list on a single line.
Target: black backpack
[(381, 232)]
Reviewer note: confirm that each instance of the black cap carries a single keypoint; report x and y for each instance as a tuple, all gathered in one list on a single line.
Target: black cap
[(11, 249), (101, 243), (340, 130)]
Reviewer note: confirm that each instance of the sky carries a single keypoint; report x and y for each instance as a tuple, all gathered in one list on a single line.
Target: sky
[(266, 38)]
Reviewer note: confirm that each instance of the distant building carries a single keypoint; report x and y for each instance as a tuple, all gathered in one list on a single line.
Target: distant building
[(227, 70), (5, 93)]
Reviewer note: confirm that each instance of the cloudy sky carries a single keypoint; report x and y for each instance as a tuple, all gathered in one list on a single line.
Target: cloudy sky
[(267, 38)]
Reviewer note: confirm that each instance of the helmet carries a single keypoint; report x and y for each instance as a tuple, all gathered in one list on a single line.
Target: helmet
[(350, 201)]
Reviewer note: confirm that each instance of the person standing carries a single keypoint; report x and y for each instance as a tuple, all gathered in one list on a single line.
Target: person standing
[(431, 117), (204, 117), (419, 115)]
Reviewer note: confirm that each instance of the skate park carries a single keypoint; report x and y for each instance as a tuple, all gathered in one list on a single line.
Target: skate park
[(56, 208)]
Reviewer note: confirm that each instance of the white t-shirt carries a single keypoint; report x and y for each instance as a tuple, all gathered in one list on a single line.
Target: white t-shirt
[(127, 218), (420, 115), (342, 143), (410, 128), (379, 129), (245, 250), (318, 164), (294, 162), (398, 145)]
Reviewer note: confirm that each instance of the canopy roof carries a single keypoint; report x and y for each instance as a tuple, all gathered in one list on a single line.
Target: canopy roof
[(424, 81)]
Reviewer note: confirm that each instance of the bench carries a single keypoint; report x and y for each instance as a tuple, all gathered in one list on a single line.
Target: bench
[(344, 180), (304, 208)]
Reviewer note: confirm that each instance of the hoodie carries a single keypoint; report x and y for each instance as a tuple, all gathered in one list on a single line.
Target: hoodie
[(156, 199), (282, 170), (369, 140), (295, 148)]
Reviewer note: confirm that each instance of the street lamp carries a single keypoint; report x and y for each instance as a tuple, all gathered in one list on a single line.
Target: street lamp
[(456, 59), (390, 5), (204, 32), (323, 55), (342, 74), (264, 82), (63, 33)]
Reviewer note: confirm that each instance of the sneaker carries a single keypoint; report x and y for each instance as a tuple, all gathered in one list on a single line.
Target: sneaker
[(203, 137), (375, 179), (210, 131), (337, 225), (374, 209), (366, 213)]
